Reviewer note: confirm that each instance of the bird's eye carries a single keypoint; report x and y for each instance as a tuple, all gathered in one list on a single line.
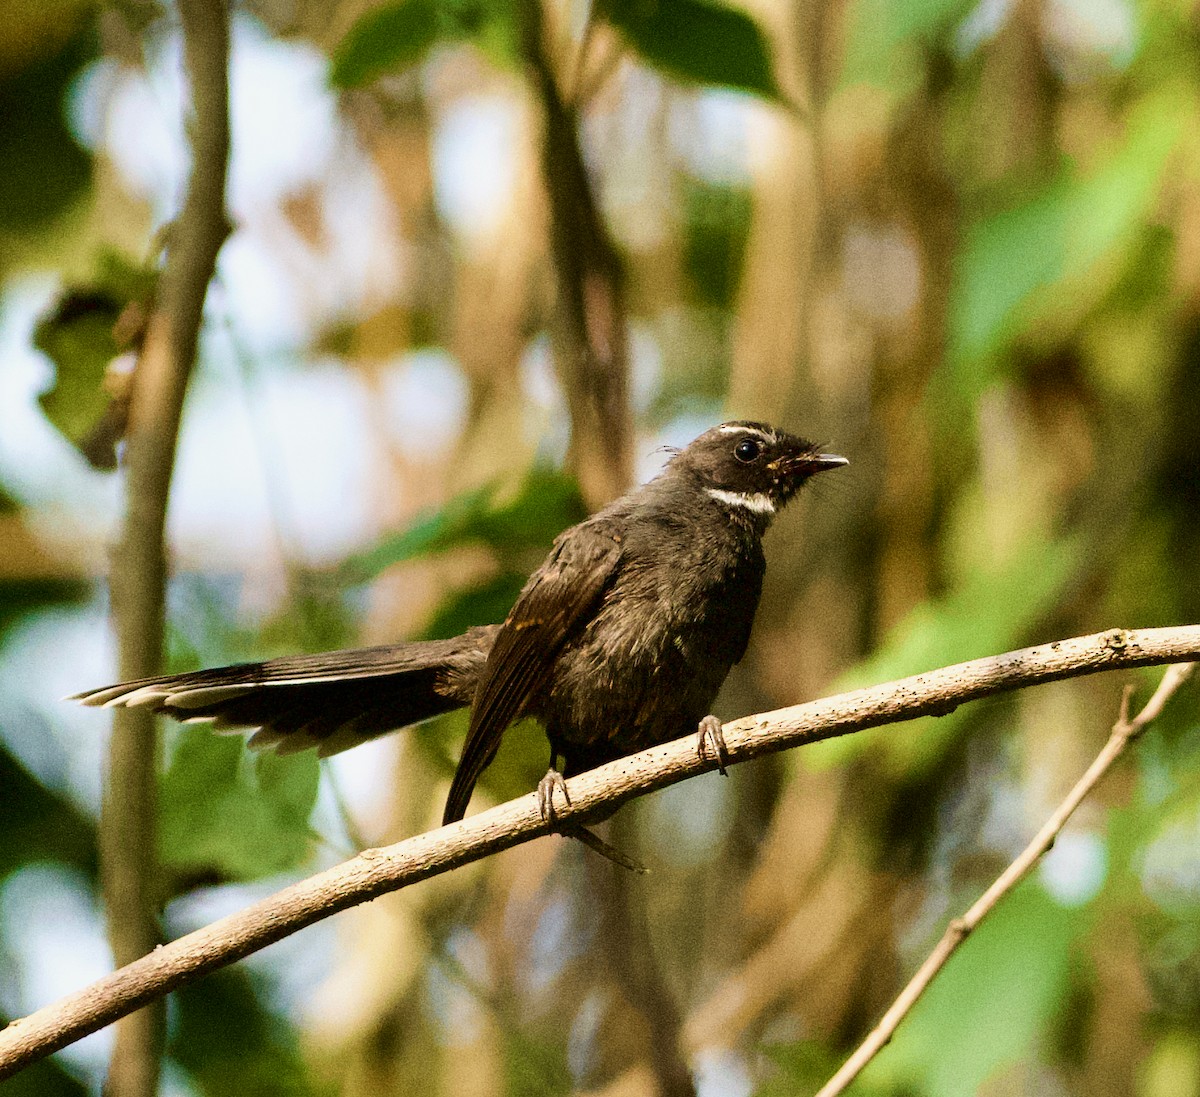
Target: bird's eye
[(747, 450)]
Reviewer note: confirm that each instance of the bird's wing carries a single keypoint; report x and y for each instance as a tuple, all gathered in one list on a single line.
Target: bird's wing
[(557, 602)]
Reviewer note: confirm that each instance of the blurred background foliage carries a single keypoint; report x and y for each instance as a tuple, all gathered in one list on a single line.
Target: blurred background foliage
[(958, 241)]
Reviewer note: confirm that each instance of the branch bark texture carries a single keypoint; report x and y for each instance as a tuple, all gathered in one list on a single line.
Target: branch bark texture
[(129, 861), (593, 795)]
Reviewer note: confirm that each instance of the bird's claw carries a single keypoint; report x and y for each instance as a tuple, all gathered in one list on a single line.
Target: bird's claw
[(547, 786), (709, 735), (550, 784)]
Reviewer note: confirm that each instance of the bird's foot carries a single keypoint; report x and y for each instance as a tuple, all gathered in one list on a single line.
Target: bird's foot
[(710, 736), (547, 786), (550, 784)]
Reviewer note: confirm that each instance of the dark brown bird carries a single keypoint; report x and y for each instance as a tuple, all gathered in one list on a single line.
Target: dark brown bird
[(618, 642)]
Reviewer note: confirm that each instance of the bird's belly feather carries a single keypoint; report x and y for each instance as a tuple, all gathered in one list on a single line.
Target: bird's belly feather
[(660, 659)]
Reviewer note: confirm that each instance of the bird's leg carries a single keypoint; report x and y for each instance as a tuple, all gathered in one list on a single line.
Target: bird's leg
[(547, 786), (553, 782), (709, 734)]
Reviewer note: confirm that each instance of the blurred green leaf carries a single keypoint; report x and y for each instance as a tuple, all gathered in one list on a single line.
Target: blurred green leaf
[(1172, 1066), (523, 759), (229, 812), (546, 503), (441, 739), (484, 603), (1122, 194), (40, 824), (78, 336), (455, 524), (1005, 259), (992, 612), (986, 1010), (717, 227), (45, 169), (21, 597), (989, 612), (288, 784), (206, 624), (1054, 236), (701, 41), (385, 40), (397, 36), (881, 29), (1158, 843), (990, 1004), (802, 1067), (1168, 754), (45, 1078), (228, 1040), (535, 1066), (489, 25)]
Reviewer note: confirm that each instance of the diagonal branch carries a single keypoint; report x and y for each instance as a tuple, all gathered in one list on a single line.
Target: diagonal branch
[(1123, 733), (129, 859), (594, 794)]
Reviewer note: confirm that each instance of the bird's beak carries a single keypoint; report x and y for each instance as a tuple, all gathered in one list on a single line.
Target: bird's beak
[(808, 464)]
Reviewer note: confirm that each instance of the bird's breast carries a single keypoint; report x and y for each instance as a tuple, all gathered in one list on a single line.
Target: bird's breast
[(682, 606)]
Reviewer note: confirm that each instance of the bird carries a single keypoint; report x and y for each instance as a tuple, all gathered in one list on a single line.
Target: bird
[(618, 642)]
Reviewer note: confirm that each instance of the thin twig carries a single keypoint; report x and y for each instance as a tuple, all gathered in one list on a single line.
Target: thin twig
[(1123, 733), (594, 794), (129, 863)]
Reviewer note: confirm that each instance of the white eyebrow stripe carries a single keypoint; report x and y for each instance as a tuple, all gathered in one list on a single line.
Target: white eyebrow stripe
[(754, 501), (766, 436)]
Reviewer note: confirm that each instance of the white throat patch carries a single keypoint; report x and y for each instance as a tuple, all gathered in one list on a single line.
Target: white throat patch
[(754, 501)]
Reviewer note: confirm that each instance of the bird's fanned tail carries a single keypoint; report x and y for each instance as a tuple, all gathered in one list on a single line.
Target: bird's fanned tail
[(331, 701)]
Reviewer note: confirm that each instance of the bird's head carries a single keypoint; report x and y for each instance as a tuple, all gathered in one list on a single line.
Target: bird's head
[(753, 468)]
